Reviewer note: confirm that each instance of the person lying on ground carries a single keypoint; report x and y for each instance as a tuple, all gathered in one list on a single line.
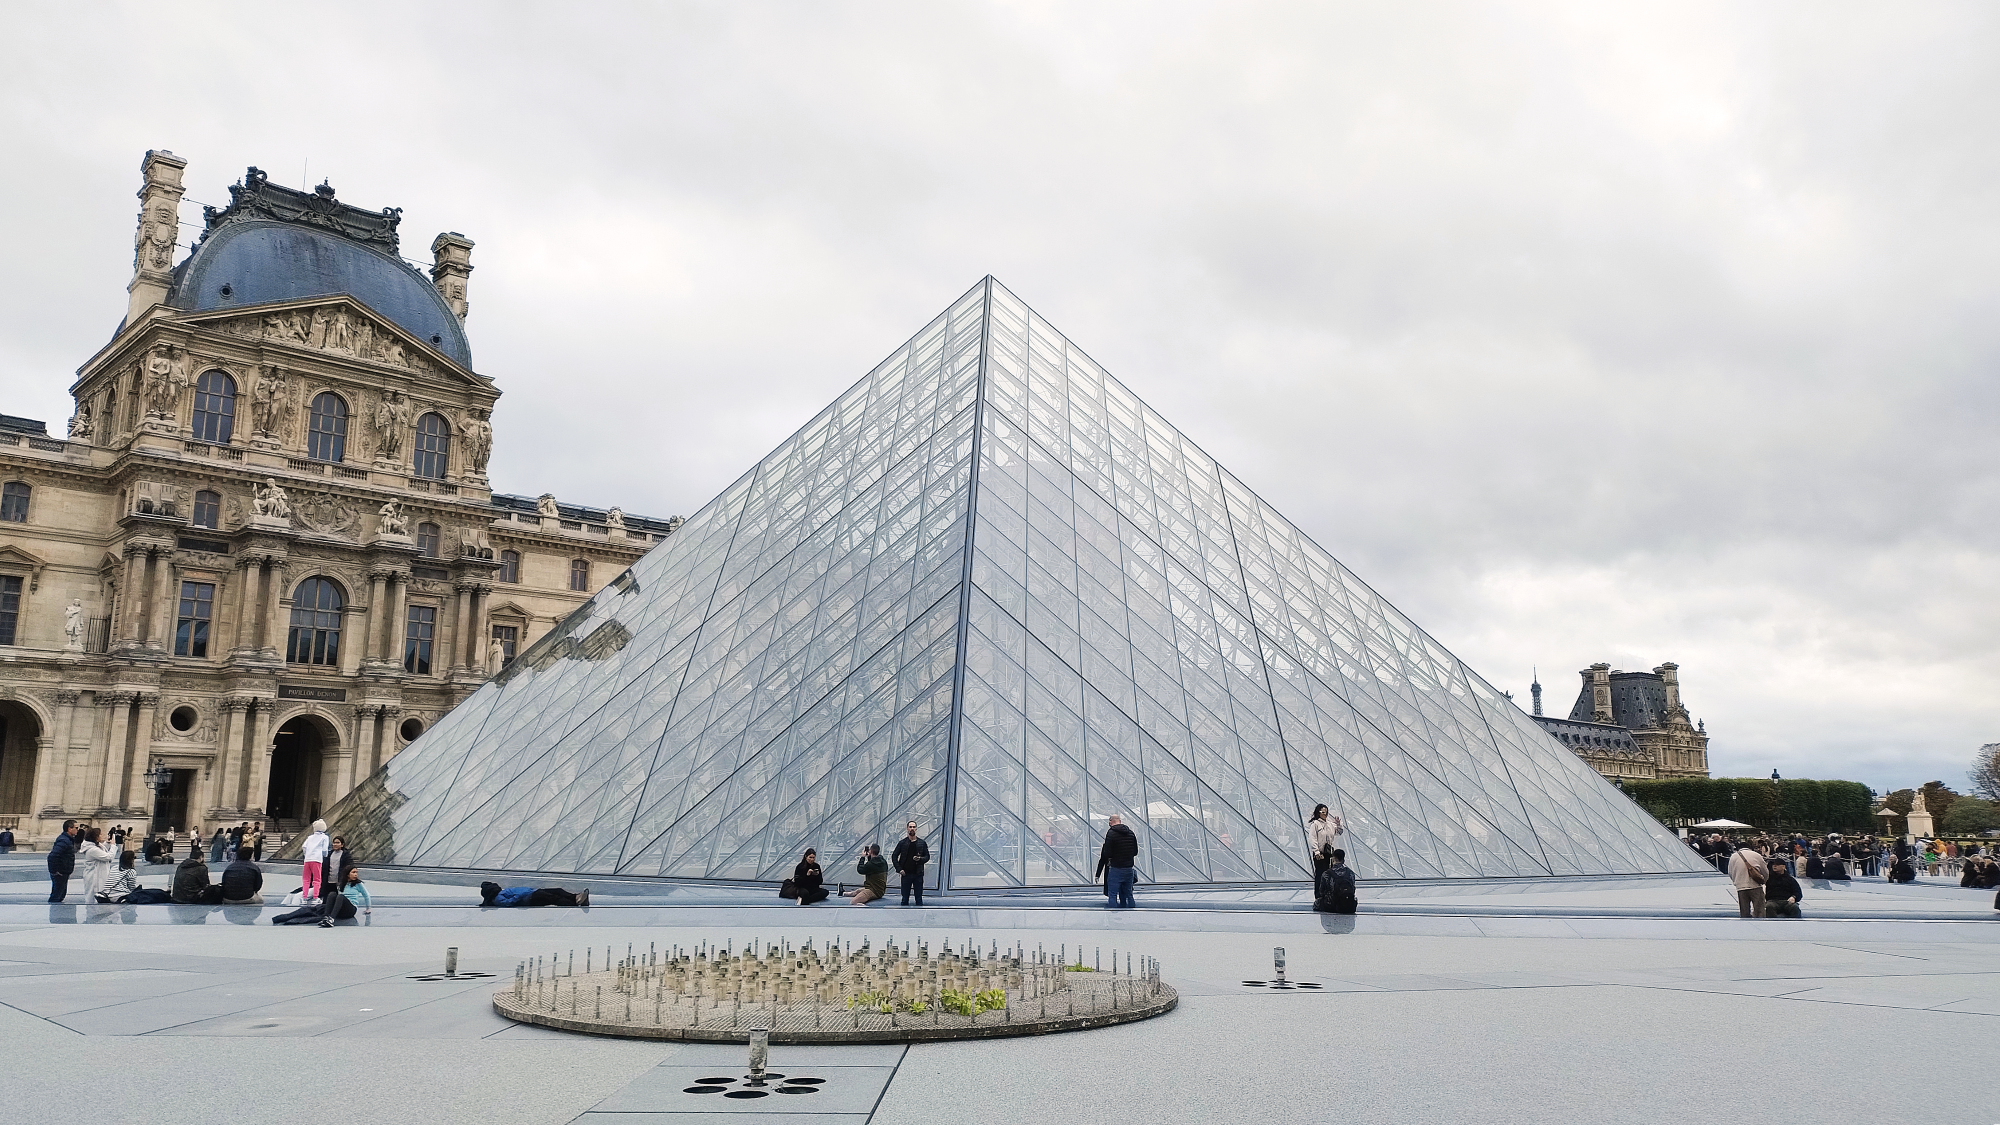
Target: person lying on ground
[(493, 894)]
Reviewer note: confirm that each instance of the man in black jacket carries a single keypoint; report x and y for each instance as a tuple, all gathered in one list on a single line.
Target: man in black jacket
[(1114, 863), (191, 885), (1782, 893), (242, 883), (62, 861), (911, 855)]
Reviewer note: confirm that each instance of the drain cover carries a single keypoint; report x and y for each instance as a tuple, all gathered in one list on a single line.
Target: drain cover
[(745, 1089), (1282, 985)]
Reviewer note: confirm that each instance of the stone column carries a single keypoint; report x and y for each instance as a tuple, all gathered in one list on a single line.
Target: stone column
[(250, 574), (399, 611), (363, 762), (229, 754), (385, 746), (138, 795), (452, 644), (259, 756), (166, 597), (378, 608), (353, 623), (120, 705), (132, 596), (277, 611), (475, 637), (52, 764), (79, 786)]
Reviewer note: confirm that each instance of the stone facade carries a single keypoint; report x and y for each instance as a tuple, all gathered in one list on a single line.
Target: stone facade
[(267, 555), (1631, 724)]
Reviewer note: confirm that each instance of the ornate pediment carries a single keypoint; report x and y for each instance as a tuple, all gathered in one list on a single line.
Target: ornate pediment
[(256, 197), (340, 326), (18, 559)]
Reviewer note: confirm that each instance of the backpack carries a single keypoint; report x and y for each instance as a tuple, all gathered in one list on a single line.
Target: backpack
[(1333, 891)]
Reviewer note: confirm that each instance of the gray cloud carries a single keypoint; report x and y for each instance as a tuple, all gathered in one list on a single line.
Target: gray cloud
[(1581, 333)]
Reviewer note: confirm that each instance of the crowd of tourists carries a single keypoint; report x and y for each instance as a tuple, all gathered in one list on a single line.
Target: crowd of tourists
[(1762, 866), (110, 874)]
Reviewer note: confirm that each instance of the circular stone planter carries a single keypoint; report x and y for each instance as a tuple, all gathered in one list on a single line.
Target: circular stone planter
[(591, 1004)]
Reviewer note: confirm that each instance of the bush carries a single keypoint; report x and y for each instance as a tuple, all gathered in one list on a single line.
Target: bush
[(1969, 816), (1791, 803)]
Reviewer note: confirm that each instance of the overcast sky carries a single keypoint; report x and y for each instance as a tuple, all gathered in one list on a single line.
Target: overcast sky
[(1582, 332)]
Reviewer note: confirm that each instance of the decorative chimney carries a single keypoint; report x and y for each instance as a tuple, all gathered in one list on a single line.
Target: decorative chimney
[(451, 269), (159, 230), (1597, 680), (1670, 675)]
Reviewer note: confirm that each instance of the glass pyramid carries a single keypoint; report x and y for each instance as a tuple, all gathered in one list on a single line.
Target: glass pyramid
[(990, 590)]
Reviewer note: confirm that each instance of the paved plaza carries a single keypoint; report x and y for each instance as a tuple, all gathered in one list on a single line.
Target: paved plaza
[(1631, 1000)]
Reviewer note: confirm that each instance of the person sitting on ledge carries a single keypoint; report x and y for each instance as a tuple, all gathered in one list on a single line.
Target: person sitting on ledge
[(806, 881), (191, 885), (493, 894), (874, 871), (242, 883), (1782, 893), (121, 885)]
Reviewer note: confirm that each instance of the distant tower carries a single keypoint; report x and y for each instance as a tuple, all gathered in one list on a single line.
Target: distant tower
[(1535, 690)]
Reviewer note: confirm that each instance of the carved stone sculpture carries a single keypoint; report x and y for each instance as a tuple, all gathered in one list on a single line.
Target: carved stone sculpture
[(159, 224), (79, 423), (165, 369), (392, 521), (271, 502), (392, 417), (478, 439), (267, 400), (614, 521), (73, 625), (545, 504), (495, 657), (327, 515)]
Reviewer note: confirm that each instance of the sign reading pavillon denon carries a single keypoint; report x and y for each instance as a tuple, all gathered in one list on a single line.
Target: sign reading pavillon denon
[(319, 694)]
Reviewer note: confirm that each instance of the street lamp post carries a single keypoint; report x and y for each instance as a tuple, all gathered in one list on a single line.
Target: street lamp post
[(159, 779)]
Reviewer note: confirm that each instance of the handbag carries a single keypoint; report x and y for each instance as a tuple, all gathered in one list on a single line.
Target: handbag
[(296, 898)]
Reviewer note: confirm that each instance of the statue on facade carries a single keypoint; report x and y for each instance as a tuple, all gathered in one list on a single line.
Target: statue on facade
[(1917, 805), (271, 501), (392, 521), (166, 377), (674, 524), (392, 417), (73, 625), (478, 439), (79, 423), (267, 400), (545, 504), (340, 335), (495, 657), (614, 521)]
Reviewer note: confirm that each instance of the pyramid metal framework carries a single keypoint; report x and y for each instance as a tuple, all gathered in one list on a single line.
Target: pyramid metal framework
[(990, 590)]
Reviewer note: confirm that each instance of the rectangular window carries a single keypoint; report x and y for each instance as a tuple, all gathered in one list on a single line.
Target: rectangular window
[(579, 574), (197, 610), (509, 637), (10, 608), (14, 502), (510, 566), (417, 637)]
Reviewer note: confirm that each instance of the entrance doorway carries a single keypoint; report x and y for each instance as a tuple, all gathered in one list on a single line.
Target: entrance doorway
[(295, 769), (19, 730), (170, 810)]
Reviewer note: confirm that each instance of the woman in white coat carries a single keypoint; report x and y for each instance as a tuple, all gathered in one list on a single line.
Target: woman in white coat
[(315, 857), (1324, 827), (97, 862)]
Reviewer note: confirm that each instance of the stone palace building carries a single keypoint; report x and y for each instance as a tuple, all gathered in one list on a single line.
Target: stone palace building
[(266, 555), (1631, 724)]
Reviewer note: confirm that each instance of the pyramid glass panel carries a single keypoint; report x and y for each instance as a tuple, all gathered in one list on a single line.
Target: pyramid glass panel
[(991, 590)]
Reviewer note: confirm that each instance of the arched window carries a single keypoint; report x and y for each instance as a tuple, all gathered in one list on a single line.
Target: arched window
[(579, 574), (427, 540), (214, 407), (315, 636), (326, 428), (14, 502), (510, 566), (433, 446), (207, 508)]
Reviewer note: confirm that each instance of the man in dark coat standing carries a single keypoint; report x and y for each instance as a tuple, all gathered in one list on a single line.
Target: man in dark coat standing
[(1114, 863), (62, 861), (911, 856)]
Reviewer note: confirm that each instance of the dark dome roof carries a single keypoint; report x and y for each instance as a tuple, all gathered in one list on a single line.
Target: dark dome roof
[(261, 261)]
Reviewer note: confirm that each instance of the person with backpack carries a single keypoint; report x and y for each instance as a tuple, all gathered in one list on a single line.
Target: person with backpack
[(1325, 828), (1334, 889)]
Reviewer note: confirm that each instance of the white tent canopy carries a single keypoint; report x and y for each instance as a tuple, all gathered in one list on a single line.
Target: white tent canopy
[(1722, 824)]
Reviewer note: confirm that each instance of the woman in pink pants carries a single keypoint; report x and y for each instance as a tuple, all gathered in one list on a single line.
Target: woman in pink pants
[(315, 856)]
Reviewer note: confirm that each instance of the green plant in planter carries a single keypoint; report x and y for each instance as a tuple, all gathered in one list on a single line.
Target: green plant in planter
[(991, 1000), (955, 1001), (917, 1007), (1078, 969), (872, 1001)]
